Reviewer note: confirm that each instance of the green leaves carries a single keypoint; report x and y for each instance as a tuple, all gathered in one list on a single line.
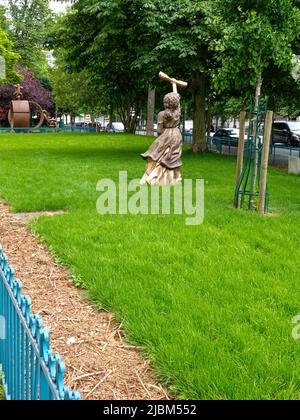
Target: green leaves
[(250, 35), (29, 25), (9, 56), (122, 44)]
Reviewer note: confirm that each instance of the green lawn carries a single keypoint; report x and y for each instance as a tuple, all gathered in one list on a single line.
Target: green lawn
[(213, 303), (2, 396)]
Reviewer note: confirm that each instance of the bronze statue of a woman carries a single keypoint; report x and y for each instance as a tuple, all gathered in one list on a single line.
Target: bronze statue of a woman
[(164, 155)]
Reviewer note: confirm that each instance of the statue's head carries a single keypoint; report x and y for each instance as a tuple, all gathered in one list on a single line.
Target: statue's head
[(172, 101)]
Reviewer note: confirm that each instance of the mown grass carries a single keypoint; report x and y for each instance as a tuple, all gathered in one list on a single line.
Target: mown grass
[(2, 393), (213, 304)]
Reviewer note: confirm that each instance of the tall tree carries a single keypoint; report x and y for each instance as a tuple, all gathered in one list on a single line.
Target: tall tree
[(30, 22), (253, 35), (99, 37), (181, 34), (126, 42), (74, 93), (7, 54), (250, 37)]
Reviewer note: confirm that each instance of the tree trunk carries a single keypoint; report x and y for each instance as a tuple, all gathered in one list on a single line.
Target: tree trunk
[(199, 130), (183, 122), (130, 119), (209, 121), (150, 111), (127, 124), (258, 91), (111, 116), (138, 107)]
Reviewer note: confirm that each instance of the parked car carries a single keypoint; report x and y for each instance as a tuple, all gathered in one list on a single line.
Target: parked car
[(286, 132), (226, 136), (115, 127), (188, 125)]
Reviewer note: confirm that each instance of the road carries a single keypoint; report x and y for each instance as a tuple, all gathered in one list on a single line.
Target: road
[(278, 156)]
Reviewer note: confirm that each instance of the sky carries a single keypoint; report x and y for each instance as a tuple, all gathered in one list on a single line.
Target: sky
[(57, 6)]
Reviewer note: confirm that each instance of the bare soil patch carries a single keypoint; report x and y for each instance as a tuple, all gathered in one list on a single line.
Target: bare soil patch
[(25, 217)]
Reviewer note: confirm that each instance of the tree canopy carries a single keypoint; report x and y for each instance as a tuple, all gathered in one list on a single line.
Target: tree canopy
[(123, 44), (7, 52), (100, 37), (29, 25), (252, 36), (223, 48)]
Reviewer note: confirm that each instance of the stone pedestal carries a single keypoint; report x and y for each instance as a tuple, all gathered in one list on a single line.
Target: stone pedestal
[(294, 165)]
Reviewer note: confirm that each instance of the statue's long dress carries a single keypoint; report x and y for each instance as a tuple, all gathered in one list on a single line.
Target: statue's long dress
[(164, 155)]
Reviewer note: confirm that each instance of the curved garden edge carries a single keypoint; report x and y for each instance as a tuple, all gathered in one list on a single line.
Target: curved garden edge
[(100, 363)]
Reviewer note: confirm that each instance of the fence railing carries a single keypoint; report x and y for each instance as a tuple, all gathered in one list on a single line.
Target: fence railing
[(32, 130), (29, 370), (8, 130), (292, 150)]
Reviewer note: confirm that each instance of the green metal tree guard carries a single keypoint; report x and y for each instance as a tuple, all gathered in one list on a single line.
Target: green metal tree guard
[(247, 190)]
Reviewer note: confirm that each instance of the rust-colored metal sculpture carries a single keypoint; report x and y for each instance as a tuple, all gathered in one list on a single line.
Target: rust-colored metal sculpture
[(51, 122), (20, 112)]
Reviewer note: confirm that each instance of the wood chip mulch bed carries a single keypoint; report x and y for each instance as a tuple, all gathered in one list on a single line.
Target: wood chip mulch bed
[(100, 363)]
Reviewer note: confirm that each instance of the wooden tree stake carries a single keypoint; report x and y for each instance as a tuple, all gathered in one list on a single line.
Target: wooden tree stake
[(265, 162)]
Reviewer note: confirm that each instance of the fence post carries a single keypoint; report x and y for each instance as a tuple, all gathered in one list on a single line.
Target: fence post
[(265, 163), (29, 369)]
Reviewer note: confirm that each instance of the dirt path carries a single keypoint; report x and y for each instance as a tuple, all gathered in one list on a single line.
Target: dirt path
[(100, 364)]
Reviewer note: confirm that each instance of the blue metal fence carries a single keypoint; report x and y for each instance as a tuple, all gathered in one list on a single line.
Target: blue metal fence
[(65, 129), (8, 130), (30, 371)]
